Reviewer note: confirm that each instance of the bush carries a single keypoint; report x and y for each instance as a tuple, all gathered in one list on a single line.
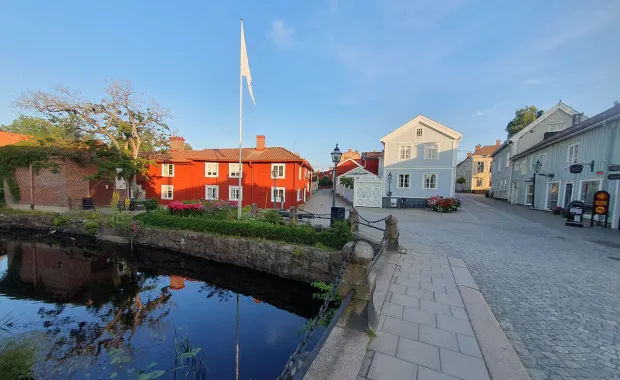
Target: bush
[(61, 220), (91, 227), (335, 238), (271, 216), (151, 204), (441, 204), (120, 220), (116, 196), (186, 209)]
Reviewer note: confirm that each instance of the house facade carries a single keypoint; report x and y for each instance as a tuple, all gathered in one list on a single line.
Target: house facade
[(212, 174), (557, 118), (421, 158), (594, 143), (476, 169)]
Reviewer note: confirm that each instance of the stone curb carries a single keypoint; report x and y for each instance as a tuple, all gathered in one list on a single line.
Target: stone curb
[(499, 356)]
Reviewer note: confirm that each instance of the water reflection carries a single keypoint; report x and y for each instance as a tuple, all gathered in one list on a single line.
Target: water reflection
[(105, 312)]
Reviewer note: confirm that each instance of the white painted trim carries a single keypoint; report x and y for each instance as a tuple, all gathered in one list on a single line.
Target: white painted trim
[(217, 169), (547, 193), (560, 106), (410, 152), (164, 172), (573, 145), (166, 192), (530, 185), (349, 159), (436, 145), (398, 181), (345, 174), (283, 170), (217, 192), (229, 168), (424, 181), (388, 168), (229, 190), (563, 192), (421, 119), (278, 188)]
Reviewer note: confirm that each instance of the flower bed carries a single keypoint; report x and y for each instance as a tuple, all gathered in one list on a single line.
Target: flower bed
[(441, 204), (217, 208)]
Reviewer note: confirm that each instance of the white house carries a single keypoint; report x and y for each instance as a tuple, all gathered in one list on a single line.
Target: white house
[(421, 158)]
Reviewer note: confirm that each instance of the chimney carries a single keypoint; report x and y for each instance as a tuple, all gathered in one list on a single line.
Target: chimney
[(477, 147), (468, 155), (260, 142), (177, 143), (498, 143), (349, 150)]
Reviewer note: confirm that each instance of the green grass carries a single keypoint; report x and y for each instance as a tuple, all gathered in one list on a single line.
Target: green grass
[(17, 356)]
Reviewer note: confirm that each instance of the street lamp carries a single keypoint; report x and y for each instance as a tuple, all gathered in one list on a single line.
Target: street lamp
[(336, 155), (537, 167), (274, 174), (389, 193)]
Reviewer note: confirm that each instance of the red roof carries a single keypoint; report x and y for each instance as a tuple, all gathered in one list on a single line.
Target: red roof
[(274, 154), (373, 155), (8, 138), (486, 150)]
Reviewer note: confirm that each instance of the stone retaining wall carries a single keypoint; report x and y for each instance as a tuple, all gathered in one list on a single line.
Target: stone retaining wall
[(299, 263)]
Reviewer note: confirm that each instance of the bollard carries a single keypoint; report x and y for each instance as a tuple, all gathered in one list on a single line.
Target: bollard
[(292, 215), (391, 231), (358, 276), (254, 209), (354, 220)]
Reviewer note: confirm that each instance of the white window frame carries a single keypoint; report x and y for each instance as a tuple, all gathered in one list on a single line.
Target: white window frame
[(165, 189), (408, 181), (508, 159), (278, 188), (166, 173), (283, 176), (530, 186), (499, 164), (599, 180), (524, 167), (424, 181), (543, 161), (427, 150), (479, 180), (477, 165), (210, 174), (212, 187), (421, 135), (300, 172), (230, 190), (299, 191), (400, 158), (516, 166), (563, 189), (230, 170), (547, 188), (531, 161), (572, 158)]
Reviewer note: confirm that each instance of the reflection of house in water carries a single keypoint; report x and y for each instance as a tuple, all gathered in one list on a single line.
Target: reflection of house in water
[(70, 276), (177, 282)]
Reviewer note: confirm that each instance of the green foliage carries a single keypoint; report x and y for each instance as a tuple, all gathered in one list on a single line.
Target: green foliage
[(334, 238), (371, 333), (17, 356), (271, 216), (325, 181), (461, 180), (151, 204), (188, 147), (323, 292), (297, 252), (54, 128), (347, 181), (120, 220), (116, 196), (61, 220), (91, 227), (523, 117)]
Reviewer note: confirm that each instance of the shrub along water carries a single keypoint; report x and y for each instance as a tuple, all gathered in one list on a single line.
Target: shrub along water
[(335, 238)]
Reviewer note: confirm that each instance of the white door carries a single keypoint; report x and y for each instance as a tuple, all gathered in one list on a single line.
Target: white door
[(367, 193), (514, 195)]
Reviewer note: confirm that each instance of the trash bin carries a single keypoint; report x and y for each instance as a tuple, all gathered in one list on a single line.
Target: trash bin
[(575, 214), (338, 213)]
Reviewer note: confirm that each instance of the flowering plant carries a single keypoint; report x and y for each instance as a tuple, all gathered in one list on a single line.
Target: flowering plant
[(183, 209), (441, 204)]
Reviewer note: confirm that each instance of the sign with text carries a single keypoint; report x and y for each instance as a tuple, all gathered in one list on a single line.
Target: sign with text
[(601, 203), (576, 168), (614, 168), (613, 177)]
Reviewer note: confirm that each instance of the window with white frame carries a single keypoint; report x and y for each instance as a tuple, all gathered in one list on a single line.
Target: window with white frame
[(555, 127), (211, 169), (572, 155), (516, 166), (419, 132), (478, 182), (508, 159), (479, 167), (211, 193), (167, 192), (300, 172), (505, 185), (430, 181), (499, 164), (553, 192), (524, 167), (234, 170), (403, 180), (588, 188), (543, 161), (529, 193), (299, 191), (531, 162), (167, 170), (277, 194), (431, 151), (280, 169), (404, 152), (233, 193)]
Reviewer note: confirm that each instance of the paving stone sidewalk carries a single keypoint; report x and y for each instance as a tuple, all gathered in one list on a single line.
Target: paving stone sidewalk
[(424, 332)]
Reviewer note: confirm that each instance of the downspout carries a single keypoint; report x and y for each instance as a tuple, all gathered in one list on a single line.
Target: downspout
[(252, 192), (31, 188)]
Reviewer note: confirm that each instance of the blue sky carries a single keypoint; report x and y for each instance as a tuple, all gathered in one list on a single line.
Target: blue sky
[(324, 71)]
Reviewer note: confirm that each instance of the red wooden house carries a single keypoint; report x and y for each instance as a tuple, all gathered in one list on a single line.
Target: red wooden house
[(214, 174)]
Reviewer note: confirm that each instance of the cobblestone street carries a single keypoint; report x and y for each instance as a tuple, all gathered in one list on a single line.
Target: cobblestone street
[(554, 289)]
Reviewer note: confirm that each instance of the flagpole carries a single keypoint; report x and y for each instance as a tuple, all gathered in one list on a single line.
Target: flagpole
[(240, 200)]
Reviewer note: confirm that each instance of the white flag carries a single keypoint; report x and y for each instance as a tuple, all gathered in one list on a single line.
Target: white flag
[(245, 66)]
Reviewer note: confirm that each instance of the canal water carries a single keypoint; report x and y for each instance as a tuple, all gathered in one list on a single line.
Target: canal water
[(81, 310)]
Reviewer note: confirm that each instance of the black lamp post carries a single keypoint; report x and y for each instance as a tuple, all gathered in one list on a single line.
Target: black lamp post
[(274, 174), (336, 155), (389, 193), (537, 167)]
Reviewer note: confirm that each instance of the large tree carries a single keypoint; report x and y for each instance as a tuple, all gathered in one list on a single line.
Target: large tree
[(54, 128), (122, 118), (523, 117)]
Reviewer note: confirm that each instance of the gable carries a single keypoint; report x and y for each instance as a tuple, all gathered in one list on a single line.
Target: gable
[(420, 121), (560, 107), (359, 171)]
